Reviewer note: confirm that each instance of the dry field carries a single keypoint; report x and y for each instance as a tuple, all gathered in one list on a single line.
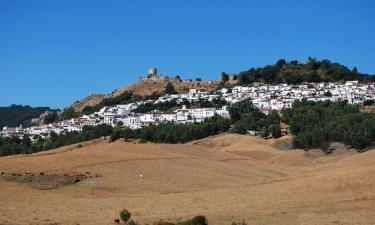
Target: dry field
[(227, 177)]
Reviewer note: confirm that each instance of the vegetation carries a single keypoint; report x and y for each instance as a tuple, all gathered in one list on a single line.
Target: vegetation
[(125, 133), (169, 89), (16, 145), (240, 223), (162, 133), (170, 105), (125, 215), (248, 118), (161, 106), (369, 102), (315, 124), (51, 118), (181, 133), (16, 115), (125, 98), (175, 133), (295, 72), (69, 113)]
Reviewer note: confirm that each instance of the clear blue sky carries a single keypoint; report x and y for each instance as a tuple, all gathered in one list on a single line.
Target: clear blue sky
[(54, 52)]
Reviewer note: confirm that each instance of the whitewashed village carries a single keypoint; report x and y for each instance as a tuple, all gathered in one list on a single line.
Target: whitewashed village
[(263, 96)]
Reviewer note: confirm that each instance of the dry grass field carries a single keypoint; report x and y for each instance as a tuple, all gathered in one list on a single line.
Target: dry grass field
[(226, 178)]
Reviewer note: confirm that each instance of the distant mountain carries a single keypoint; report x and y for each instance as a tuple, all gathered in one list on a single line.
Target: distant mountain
[(16, 115)]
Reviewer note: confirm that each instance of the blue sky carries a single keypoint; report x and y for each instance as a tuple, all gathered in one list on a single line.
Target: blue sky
[(55, 52)]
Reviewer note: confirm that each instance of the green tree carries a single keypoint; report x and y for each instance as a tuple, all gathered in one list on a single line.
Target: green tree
[(239, 108), (69, 113), (169, 89), (50, 118), (275, 131), (328, 94)]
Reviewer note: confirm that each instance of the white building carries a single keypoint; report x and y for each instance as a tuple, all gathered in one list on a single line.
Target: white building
[(110, 118)]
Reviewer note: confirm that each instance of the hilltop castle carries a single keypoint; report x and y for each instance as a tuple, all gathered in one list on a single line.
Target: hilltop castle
[(231, 78), (152, 74)]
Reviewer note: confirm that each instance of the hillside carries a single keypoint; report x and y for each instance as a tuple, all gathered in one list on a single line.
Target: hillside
[(295, 72), (145, 87), (292, 72), (16, 115), (226, 177)]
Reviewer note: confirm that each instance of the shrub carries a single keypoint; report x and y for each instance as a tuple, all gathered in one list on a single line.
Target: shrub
[(199, 220), (240, 223), (125, 215)]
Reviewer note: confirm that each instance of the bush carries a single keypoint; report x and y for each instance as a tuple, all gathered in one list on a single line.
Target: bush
[(199, 220), (240, 223), (275, 131), (125, 215)]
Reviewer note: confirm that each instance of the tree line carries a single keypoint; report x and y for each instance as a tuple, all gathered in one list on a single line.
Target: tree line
[(173, 132), (162, 133), (15, 145), (294, 72), (315, 124)]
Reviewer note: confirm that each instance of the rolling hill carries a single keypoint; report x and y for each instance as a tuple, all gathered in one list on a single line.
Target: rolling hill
[(226, 177)]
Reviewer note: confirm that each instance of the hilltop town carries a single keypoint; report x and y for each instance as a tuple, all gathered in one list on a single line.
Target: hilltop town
[(266, 97)]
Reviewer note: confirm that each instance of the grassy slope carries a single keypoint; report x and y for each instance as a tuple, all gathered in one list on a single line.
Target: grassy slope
[(220, 177)]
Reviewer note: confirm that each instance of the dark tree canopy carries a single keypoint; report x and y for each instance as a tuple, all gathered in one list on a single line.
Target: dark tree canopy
[(315, 124), (247, 117), (295, 72), (15, 145), (16, 115), (125, 98), (169, 89)]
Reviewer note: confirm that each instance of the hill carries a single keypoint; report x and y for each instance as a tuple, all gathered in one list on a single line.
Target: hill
[(294, 72), (227, 177), (147, 87), (16, 115)]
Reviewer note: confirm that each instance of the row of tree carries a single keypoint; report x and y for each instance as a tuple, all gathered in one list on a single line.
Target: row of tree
[(315, 124), (173, 132), (173, 104), (162, 133), (294, 72), (16, 145)]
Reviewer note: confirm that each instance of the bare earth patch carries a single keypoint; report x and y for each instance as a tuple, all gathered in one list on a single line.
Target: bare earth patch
[(45, 181)]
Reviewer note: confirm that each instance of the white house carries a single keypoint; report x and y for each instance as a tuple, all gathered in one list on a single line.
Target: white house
[(110, 118)]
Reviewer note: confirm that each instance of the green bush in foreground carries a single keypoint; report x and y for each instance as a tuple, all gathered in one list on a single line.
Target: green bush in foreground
[(125, 215)]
